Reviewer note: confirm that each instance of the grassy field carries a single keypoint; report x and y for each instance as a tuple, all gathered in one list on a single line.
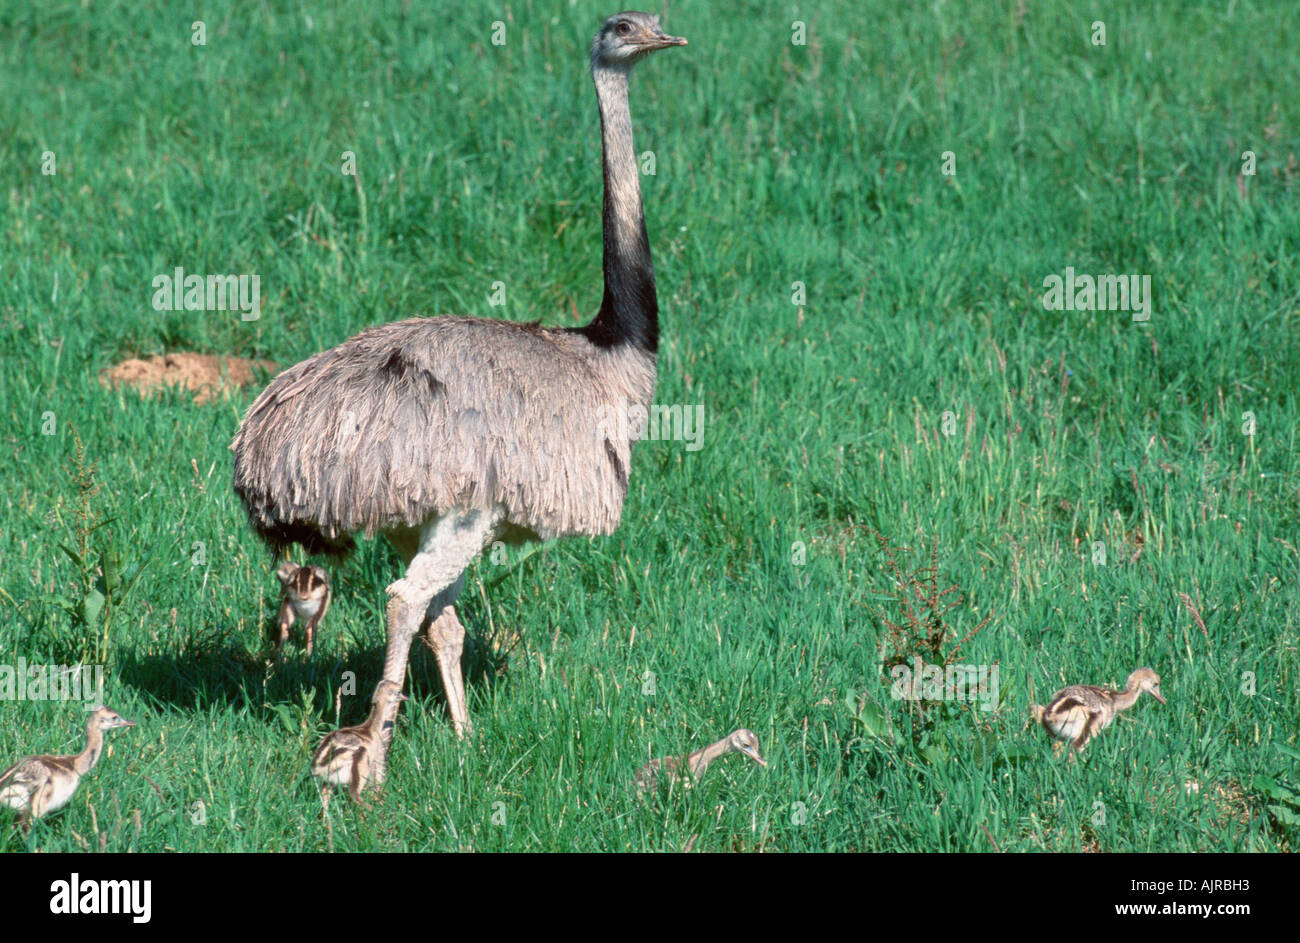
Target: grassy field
[(751, 582)]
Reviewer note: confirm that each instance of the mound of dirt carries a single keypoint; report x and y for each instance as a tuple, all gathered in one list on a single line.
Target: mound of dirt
[(204, 375)]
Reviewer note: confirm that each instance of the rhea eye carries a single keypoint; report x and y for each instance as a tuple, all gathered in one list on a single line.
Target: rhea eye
[(622, 28)]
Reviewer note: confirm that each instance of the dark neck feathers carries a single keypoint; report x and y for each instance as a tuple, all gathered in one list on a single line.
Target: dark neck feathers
[(629, 311)]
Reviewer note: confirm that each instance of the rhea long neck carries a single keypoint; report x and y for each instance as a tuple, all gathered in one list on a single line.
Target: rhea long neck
[(699, 761), (629, 311), (85, 760), (1125, 699), (379, 725), (374, 724)]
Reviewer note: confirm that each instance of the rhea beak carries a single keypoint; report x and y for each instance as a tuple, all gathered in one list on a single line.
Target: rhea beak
[(663, 41), (1156, 695), (123, 722)]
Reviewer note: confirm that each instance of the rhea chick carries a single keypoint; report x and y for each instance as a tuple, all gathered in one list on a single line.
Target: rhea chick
[(353, 756), (38, 785), (672, 768), (1078, 713), (306, 596)]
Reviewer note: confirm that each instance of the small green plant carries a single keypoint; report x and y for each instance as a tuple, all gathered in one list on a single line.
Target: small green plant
[(1282, 797), (299, 720), (96, 590), (919, 626), (917, 630)]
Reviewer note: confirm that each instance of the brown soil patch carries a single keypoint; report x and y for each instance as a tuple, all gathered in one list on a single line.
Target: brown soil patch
[(204, 375)]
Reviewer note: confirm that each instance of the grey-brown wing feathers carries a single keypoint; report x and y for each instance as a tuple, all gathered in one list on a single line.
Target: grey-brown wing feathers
[(410, 419), (26, 775), (1065, 703)]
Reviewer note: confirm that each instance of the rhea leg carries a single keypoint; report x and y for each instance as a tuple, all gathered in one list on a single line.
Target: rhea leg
[(447, 639), (283, 624), (1091, 726), (403, 615), (313, 622), (41, 800), (432, 581)]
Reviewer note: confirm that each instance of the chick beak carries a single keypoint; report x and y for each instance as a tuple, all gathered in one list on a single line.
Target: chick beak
[(1156, 695)]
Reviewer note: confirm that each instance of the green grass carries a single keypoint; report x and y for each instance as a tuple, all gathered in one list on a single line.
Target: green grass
[(775, 164)]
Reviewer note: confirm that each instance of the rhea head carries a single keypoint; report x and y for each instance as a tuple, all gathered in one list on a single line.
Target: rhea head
[(106, 719), (746, 742), (387, 693), (628, 37), (1144, 679)]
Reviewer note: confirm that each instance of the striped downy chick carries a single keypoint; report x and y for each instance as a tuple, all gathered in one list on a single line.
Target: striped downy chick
[(691, 768), (1078, 713), (354, 756), (38, 785), (306, 596)]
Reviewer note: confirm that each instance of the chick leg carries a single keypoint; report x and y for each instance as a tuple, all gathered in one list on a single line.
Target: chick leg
[(283, 623)]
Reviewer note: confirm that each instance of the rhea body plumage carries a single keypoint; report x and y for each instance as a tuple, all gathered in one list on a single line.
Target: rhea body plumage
[(445, 434), (35, 786), (1078, 713), (693, 765), (352, 756), (305, 596)]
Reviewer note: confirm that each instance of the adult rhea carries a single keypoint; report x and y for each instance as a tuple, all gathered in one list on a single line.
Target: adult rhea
[(445, 434)]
